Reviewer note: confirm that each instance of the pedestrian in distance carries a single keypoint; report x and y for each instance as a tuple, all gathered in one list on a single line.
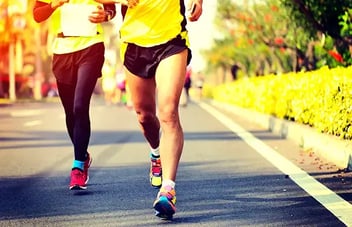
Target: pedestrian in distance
[(78, 57), (155, 52), (121, 86), (185, 96), (108, 84), (199, 82)]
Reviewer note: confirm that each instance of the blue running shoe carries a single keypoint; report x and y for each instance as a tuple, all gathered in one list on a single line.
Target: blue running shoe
[(164, 204)]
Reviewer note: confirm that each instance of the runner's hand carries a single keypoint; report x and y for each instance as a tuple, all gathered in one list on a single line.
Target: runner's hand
[(57, 3), (194, 9), (129, 3), (98, 15)]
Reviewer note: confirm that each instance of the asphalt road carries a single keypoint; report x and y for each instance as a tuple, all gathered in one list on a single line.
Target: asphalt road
[(232, 173)]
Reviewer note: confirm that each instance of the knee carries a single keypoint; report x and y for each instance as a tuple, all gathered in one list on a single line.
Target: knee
[(168, 115), (145, 117), (80, 110)]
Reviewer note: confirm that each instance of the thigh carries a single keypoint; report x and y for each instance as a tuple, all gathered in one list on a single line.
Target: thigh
[(86, 82), (142, 92), (64, 68), (66, 94), (170, 78), (89, 67), (90, 61)]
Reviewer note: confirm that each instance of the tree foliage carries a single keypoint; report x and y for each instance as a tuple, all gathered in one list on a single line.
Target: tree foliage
[(331, 18), (10, 32), (277, 36)]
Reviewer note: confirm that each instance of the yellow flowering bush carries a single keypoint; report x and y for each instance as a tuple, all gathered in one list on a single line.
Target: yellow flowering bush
[(321, 98)]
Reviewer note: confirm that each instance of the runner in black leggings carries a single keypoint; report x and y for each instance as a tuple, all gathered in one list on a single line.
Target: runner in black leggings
[(77, 64)]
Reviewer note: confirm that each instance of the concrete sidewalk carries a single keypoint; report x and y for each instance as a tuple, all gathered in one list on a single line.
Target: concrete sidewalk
[(329, 147)]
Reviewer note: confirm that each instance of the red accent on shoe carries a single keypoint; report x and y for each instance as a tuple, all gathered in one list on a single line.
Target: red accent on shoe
[(86, 167), (155, 172)]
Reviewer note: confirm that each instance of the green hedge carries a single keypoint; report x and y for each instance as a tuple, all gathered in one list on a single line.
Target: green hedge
[(321, 98)]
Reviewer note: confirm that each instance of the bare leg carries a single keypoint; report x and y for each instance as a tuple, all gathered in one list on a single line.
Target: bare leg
[(142, 93), (169, 81), (170, 78)]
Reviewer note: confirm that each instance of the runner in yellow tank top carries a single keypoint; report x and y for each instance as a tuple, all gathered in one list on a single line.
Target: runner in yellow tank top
[(155, 52), (153, 22)]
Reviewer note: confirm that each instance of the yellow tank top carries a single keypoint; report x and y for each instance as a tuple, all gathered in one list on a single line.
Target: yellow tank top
[(153, 22), (71, 44)]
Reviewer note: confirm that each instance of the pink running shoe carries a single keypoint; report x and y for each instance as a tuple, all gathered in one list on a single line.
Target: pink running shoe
[(86, 167), (77, 180)]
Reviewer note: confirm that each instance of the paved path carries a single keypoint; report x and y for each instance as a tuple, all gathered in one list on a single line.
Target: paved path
[(226, 177)]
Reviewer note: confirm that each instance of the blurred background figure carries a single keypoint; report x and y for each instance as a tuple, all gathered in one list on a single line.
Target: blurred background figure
[(49, 88), (199, 81), (129, 103), (109, 84), (185, 97), (121, 96)]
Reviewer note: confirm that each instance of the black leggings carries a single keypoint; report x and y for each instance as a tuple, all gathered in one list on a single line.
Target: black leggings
[(76, 75), (76, 102)]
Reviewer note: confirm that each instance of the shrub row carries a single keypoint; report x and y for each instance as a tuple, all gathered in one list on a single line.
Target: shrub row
[(321, 98)]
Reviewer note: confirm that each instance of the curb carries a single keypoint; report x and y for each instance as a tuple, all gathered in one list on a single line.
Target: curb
[(5, 105), (7, 102), (329, 147)]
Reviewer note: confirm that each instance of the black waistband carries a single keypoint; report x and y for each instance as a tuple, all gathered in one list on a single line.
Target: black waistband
[(61, 35)]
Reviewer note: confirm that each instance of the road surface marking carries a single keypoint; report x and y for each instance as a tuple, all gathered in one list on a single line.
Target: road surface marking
[(329, 199), (25, 113), (32, 123)]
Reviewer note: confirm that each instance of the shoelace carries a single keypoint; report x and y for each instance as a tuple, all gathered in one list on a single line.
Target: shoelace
[(168, 192)]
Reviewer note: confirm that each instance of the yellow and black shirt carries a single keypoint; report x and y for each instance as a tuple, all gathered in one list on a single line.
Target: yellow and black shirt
[(153, 22)]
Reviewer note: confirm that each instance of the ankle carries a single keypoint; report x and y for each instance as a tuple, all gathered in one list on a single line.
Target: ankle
[(168, 184), (154, 152)]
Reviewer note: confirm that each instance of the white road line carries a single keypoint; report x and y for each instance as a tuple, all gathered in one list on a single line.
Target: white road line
[(330, 200), (26, 113), (32, 123)]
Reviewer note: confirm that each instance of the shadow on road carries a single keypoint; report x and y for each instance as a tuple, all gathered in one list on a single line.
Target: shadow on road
[(113, 137), (121, 195)]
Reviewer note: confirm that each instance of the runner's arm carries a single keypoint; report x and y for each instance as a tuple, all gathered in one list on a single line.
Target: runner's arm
[(42, 11), (110, 11)]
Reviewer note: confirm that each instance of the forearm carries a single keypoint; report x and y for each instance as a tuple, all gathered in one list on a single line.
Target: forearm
[(42, 11), (129, 3), (110, 11), (108, 1)]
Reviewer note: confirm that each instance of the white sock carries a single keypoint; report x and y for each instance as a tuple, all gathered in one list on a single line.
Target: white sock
[(168, 183), (155, 152)]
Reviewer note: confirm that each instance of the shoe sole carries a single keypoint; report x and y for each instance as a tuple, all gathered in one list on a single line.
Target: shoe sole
[(78, 187), (164, 209), (156, 181)]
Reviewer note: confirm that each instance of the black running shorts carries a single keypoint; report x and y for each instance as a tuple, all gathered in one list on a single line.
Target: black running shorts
[(143, 61)]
